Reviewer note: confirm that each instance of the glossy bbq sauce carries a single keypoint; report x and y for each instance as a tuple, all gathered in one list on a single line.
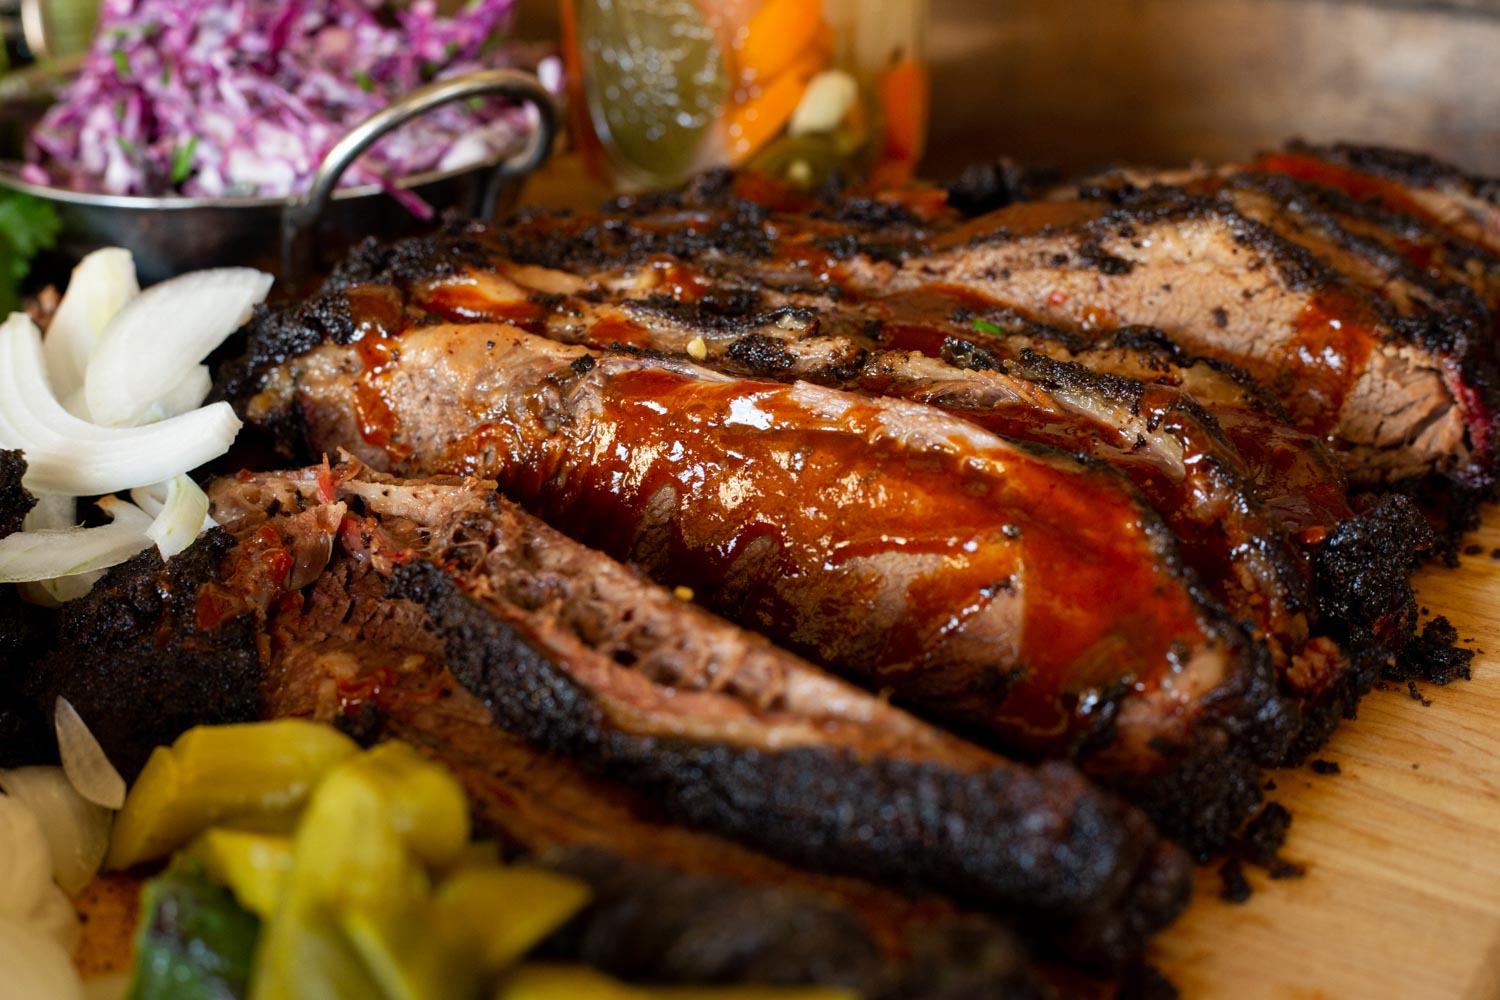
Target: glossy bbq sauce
[(1354, 183), (379, 319), (1319, 365), (894, 564), (477, 296)]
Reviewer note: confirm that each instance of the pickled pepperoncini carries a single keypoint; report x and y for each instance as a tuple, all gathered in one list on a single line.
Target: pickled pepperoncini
[(258, 772), (316, 871)]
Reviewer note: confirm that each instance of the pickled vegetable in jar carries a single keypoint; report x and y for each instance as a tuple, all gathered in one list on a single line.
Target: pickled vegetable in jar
[(663, 89)]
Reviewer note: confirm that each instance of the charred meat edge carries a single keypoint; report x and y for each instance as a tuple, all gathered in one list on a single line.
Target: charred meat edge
[(1107, 882)]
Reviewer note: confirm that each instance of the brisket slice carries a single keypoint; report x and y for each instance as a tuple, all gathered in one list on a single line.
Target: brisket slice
[(1167, 445), (1396, 407), (720, 729), (657, 925), (1251, 527), (1305, 214), (1402, 181), (984, 588)]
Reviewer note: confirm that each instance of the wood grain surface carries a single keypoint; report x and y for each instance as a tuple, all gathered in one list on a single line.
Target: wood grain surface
[(1401, 898)]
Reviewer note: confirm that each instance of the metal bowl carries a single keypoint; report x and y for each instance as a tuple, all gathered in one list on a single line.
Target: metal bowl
[(291, 237)]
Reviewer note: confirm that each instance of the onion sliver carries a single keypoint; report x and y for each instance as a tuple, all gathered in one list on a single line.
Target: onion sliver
[(35, 965), (84, 760), (67, 455), (76, 830), (59, 590), (155, 341), (45, 555), (125, 512), (101, 285), (52, 510), (25, 861), (181, 519), (186, 395), (60, 565)]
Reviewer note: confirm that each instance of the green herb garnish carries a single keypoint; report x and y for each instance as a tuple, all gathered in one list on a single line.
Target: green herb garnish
[(122, 63), (28, 225), (365, 83), (985, 326), (182, 160)]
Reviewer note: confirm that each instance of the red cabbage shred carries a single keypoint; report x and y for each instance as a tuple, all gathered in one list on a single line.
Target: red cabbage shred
[(244, 98)]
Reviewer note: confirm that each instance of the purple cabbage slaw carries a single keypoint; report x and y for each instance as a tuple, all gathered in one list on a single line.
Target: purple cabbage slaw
[(244, 97)]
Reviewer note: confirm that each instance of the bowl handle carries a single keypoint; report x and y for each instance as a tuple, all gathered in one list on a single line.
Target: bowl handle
[(301, 214)]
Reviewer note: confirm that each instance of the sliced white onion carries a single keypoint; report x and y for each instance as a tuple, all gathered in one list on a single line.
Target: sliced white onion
[(151, 499), (35, 965), (54, 566), (153, 343), (55, 512), (76, 830), (25, 861), (182, 517), (84, 760), (186, 395), (126, 513), (59, 590), (101, 284), (46, 555), (71, 456), (52, 511)]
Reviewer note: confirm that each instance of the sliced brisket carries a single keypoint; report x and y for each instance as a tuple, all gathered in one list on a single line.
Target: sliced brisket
[(721, 730), (1402, 181), (759, 497), (1396, 406)]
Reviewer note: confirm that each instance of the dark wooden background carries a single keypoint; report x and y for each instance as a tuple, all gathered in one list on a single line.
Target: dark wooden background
[(1077, 83), (1081, 82)]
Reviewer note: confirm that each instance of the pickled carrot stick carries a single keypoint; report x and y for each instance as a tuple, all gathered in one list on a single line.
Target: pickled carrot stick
[(776, 36), (757, 121), (903, 106)]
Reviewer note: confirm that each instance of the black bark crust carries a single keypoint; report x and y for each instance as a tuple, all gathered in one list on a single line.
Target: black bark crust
[(131, 658), (15, 502), (1044, 845), (1362, 576), (1362, 572), (654, 925), (23, 737), (1404, 166), (1323, 208), (1211, 784)]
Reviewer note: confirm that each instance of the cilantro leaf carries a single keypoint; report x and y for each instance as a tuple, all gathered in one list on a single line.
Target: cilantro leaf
[(28, 225), (985, 326), (182, 160)]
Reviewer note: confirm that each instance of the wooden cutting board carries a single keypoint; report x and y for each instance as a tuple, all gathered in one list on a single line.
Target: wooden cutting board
[(1402, 893)]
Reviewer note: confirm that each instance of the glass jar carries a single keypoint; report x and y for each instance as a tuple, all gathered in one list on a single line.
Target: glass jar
[(663, 89)]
